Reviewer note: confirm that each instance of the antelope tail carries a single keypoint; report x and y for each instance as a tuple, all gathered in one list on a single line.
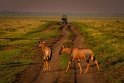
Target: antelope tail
[(93, 57), (50, 56)]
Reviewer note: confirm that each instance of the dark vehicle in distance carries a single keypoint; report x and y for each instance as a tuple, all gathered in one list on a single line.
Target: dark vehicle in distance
[(64, 19)]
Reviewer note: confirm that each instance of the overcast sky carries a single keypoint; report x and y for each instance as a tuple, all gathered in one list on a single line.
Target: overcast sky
[(70, 6)]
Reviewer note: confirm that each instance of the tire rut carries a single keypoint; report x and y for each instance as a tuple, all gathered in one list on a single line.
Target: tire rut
[(58, 74), (31, 73), (79, 42), (76, 41), (54, 75)]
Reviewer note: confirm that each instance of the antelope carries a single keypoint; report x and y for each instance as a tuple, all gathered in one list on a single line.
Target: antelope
[(77, 54), (47, 54)]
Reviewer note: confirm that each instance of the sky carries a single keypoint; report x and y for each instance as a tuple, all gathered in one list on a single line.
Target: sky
[(68, 6)]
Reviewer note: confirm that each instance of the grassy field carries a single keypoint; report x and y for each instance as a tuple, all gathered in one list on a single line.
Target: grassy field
[(19, 38), (105, 36)]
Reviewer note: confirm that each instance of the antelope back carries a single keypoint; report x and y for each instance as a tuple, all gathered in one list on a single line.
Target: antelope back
[(47, 53)]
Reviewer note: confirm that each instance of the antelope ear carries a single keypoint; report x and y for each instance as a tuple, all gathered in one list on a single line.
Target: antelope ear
[(63, 46), (39, 41)]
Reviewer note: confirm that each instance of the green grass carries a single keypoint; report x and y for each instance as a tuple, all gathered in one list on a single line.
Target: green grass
[(105, 38), (6, 55), (17, 54), (64, 60)]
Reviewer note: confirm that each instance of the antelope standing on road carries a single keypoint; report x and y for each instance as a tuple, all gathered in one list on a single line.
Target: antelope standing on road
[(47, 54), (78, 54)]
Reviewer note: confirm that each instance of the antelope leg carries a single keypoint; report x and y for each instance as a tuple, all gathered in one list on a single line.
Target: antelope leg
[(44, 66), (68, 65), (96, 62), (79, 66), (47, 65), (88, 65)]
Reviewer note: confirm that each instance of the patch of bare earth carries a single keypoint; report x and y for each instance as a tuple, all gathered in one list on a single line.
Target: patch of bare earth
[(55, 75), (34, 74), (31, 73)]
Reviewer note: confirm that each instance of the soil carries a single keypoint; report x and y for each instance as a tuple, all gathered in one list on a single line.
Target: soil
[(34, 74)]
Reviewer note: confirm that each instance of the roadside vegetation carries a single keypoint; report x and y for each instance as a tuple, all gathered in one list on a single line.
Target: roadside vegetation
[(106, 38), (19, 38), (18, 44), (68, 43)]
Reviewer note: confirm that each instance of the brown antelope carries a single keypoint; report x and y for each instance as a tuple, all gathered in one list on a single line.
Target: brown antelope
[(78, 54), (47, 52)]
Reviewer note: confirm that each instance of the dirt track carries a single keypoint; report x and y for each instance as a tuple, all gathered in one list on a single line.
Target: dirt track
[(33, 74)]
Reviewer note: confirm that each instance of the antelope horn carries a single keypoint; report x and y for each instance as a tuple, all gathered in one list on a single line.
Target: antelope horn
[(63, 46), (43, 42)]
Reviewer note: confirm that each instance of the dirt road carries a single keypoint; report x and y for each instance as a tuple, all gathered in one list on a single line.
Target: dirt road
[(52, 77), (58, 74)]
